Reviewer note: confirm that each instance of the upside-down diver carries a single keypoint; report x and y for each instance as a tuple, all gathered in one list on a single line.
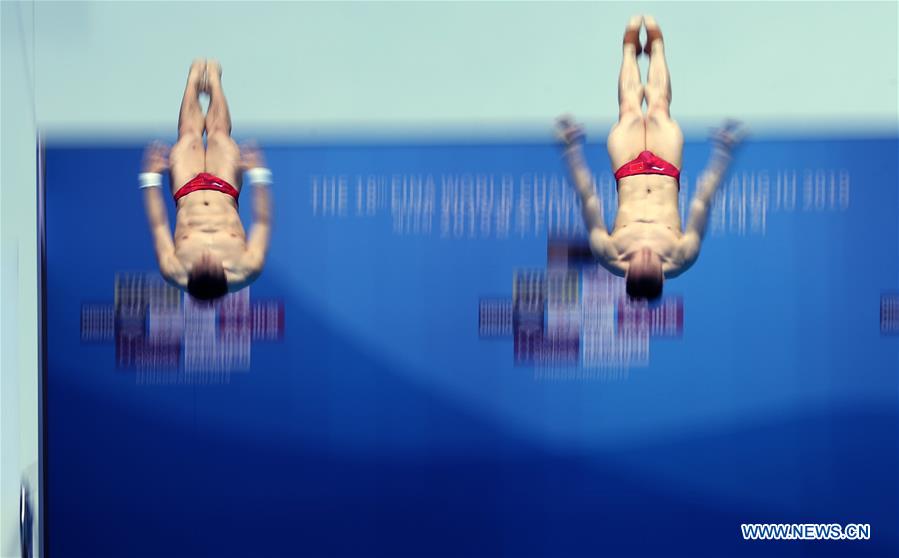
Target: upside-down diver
[(210, 254), (647, 244)]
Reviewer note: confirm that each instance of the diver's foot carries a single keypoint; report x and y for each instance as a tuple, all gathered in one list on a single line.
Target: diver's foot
[(197, 73), (213, 72), (653, 34), (632, 35)]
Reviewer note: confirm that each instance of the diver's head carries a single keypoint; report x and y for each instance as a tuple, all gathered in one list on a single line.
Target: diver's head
[(644, 276), (206, 280)]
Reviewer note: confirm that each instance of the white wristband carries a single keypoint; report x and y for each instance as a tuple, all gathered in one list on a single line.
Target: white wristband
[(259, 175), (150, 180)]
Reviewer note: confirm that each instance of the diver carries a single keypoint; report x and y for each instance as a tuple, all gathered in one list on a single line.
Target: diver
[(646, 245), (210, 254)]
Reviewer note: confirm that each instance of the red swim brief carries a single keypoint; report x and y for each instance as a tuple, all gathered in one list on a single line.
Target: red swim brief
[(647, 163), (206, 181)]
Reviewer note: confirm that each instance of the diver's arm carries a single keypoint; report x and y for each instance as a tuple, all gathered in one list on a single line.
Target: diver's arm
[(155, 162), (169, 265), (706, 187), (571, 136), (158, 221), (260, 232), (259, 178), (725, 140)]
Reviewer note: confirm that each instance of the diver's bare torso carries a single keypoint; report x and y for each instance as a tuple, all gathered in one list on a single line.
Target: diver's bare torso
[(208, 221), (648, 216)]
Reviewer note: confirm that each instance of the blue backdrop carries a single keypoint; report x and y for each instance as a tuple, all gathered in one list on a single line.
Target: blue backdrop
[(385, 416)]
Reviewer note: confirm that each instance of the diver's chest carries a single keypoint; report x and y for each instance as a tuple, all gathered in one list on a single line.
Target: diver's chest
[(659, 236)]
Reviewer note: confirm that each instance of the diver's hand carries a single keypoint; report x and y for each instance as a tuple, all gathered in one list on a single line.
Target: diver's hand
[(726, 138), (156, 157), (251, 156), (568, 132)]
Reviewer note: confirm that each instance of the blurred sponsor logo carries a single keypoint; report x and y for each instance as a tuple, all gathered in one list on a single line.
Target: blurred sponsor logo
[(889, 313), (157, 329), (575, 315)]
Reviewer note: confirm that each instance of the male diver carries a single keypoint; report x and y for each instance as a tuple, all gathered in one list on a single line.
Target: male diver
[(647, 244), (210, 255)]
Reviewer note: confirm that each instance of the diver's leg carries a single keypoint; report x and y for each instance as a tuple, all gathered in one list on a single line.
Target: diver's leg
[(663, 135), (187, 157), (627, 139), (222, 152)]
